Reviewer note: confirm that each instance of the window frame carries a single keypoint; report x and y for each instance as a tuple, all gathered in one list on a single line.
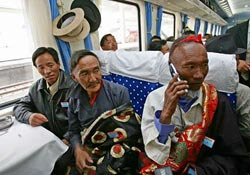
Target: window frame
[(171, 14), (139, 19)]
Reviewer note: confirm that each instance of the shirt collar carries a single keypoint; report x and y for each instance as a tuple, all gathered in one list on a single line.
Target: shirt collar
[(199, 95), (54, 87)]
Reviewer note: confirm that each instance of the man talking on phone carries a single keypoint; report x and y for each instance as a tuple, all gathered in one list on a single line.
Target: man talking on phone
[(187, 125)]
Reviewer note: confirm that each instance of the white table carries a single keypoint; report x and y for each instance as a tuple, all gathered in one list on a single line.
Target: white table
[(27, 150)]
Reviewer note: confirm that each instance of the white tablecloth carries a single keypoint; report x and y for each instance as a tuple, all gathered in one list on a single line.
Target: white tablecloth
[(27, 150)]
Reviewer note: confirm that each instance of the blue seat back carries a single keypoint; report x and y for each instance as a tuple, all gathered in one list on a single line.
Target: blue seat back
[(138, 89)]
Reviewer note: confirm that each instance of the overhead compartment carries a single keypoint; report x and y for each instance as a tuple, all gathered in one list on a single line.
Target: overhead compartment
[(193, 8)]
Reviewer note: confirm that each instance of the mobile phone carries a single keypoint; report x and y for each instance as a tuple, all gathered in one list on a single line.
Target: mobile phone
[(173, 72), (164, 171)]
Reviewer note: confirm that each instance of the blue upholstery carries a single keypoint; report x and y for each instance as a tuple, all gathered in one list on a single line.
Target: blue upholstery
[(138, 89)]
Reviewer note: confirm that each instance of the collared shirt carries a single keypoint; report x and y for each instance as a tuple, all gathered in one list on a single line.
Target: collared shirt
[(180, 120), (54, 87), (186, 118)]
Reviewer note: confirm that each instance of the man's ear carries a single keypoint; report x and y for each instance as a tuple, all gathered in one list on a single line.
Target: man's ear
[(73, 77)]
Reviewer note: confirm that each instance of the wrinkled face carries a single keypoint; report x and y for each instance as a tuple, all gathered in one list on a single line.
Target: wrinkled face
[(47, 67), (88, 74), (191, 62), (110, 44), (164, 48)]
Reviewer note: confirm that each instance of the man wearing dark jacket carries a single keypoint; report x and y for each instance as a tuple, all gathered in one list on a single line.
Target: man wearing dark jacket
[(47, 101), (92, 97)]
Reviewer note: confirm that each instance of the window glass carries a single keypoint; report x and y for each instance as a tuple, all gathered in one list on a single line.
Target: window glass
[(15, 61), (167, 25), (121, 20), (191, 22), (201, 31)]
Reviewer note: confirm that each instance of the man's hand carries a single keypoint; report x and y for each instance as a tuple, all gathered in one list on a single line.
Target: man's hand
[(174, 90), (37, 119), (82, 158), (66, 142), (243, 66)]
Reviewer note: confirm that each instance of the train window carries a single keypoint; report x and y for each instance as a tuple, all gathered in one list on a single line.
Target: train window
[(121, 19), (201, 31), (167, 25), (191, 23), (15, 50)]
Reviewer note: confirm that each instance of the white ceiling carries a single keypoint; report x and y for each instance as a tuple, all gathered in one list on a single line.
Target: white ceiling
[(239, 6), (195, 8)]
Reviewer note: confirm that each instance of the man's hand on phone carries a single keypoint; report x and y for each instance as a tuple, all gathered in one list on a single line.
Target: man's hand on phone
[(174, 90)]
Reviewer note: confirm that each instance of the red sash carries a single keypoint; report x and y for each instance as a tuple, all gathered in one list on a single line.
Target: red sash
[(187, 149)]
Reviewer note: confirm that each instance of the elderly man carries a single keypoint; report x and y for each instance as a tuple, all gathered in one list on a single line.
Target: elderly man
[(92, 97), (108, 42), (188, 125), (47, 101)]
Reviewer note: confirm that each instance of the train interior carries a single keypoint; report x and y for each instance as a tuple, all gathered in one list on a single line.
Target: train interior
[(28, 24)]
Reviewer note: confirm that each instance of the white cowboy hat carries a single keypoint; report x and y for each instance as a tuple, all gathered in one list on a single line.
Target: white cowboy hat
[(71, 26)]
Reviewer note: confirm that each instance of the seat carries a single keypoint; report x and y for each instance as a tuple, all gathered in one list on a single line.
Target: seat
[(223, 74), (140, 72), (138, 89)]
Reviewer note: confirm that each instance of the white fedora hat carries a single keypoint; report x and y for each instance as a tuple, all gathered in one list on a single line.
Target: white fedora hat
[(71, 26)]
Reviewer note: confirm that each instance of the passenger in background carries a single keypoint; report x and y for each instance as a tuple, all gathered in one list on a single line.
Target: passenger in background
[(155, 38), (207, 37), (170, 41), (195, 130), (90, 98), (47, 101), (108, 42), (226, 44), (160, 45), (243, 69), (171, 38), (188, 31)]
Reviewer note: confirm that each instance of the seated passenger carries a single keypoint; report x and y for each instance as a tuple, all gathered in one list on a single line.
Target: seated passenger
[(226, 44), (155, 38), (188, 31), (47, 101), (207, 37), (108, 42), (92, 97), (243, 70), (160, 45), (195, 130)]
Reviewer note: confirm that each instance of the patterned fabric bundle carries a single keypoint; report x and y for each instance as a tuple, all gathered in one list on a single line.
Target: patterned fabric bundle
[(114, 141)]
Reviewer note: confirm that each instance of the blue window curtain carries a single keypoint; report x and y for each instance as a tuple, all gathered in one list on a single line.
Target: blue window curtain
[(215, 30), (205, 27), (88, 42), (184, 20), (159, 20), (211, 29), (148, 7), (197, 25), (64, 47)]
